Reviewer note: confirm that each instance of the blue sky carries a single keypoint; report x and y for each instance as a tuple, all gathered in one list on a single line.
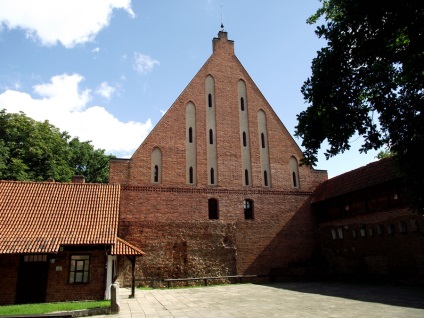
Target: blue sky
[(107, 70)]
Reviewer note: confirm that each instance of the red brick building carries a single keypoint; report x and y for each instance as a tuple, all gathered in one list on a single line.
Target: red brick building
[(216, 189), (58, 241), (366, 228)]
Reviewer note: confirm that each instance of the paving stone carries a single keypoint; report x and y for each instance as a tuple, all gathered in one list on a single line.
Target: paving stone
[(329, 300)]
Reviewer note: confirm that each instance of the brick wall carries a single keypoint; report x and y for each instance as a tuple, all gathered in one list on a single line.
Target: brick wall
[(171, 226), (366, 252), (58, 287), (169, 221), (170, 134)]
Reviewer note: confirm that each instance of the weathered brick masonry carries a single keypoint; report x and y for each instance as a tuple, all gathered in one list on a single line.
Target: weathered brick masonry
[(57, 285), (168, 217)]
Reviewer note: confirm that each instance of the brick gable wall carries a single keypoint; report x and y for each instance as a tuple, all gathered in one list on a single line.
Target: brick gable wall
[(157, 217)]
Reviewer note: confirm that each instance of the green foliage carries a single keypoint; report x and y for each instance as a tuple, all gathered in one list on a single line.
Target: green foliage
[(37, 151), (92, 163), (384, 154), (38, 309), (369, 81)]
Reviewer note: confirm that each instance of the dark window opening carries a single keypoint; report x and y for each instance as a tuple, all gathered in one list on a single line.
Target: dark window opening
[(211, 136), (244, 139), (246, 177), (190, 175), (212, 176), (210, 100), (213, 209), (294, 179), (248, 209), (380, 229), (415, 225), (242, 103), (263, 140), (79, 269), (190, 135), (362, 230), (265, 178), (402, 227), (156, 174)]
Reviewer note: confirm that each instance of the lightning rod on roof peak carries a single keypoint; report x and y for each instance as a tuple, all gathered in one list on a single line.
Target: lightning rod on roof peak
[(222, 19)]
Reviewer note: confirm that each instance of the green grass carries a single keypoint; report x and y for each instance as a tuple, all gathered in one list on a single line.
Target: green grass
[(35, 309)]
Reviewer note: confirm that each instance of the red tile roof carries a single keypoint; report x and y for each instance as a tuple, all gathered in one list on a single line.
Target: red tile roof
[(372, 174), (122, 247), (39, 217)]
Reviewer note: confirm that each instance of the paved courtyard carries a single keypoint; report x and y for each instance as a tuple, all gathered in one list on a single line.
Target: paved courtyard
[(275, 300)]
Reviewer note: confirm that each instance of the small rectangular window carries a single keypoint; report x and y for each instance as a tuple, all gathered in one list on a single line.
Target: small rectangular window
[(354, 233), (362, 230), (391, 229), (340, 232), (380, 229), (213, 209), (402, 227), (248, 209), (79, 269), (370, 232), (415, 225), (35, 258), (333, 234)]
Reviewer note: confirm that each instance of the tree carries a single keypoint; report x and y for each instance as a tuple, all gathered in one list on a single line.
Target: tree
[(37, 151), (92, 163), (368, 81)]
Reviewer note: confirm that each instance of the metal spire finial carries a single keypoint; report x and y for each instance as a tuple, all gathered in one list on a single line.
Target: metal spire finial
[(222, 19)]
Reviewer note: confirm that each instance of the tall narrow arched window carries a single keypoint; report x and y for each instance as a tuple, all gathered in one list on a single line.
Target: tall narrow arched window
[(242, 103), (211, 136), (190, 135), (210, 100), (265, 178), (248, 209), (294, 179), (246, 177), (156, 165), (156, 174), (213, 211), (294, 169), (262, 140), (190, 175), (244, 139), (212, 176)]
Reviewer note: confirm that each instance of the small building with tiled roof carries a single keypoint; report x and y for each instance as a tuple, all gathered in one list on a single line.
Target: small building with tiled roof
[(366, 227), (58, 241)]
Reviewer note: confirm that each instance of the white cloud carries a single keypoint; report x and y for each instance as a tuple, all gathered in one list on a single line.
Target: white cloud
[(96, 50), (105, 90), (68, 22), (65, 106), (143, 63)]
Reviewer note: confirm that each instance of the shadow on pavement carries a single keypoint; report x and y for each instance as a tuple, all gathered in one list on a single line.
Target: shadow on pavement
[(403, 296)]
